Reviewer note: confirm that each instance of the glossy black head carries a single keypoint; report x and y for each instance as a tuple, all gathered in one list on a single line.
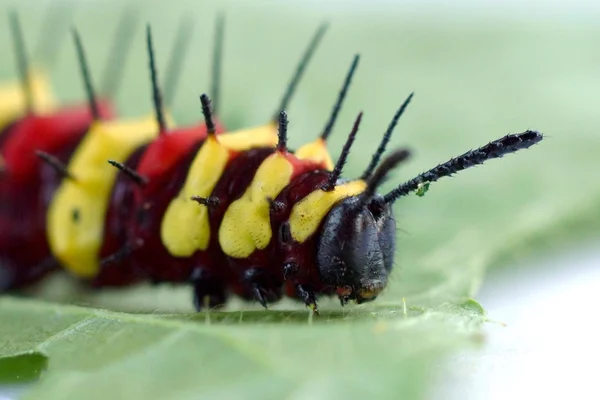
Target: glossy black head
[(355, 252)]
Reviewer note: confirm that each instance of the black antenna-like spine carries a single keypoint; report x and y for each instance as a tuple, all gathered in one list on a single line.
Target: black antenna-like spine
[(496, 149), (55, 163), (206, 111), (339, 166), (156, 96), (282, 132), (217, 62), (138, 179), (22, 59), (385, 140), (379, 176), (52, 33), (177, 57), (306, 57), (114, 69), (340, 100), (87, 79)]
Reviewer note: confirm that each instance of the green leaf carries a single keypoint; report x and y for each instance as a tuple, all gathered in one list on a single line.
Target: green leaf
[(265, 354)]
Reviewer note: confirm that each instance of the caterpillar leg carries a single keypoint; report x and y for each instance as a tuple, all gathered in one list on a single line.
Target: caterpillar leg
[(261, 286), (7, 277), (307, 294), (209, 290)]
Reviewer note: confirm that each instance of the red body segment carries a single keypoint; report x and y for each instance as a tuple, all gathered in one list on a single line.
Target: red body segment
[(27, 185), (132, 244)]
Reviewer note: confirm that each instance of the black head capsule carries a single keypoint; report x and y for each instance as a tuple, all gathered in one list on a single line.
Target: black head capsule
[(358, 240), (355, 252)]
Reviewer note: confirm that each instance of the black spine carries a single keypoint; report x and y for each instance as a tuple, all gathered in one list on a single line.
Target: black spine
[(282, 132), (496, 149), (138, 179), (22, 59), (210, 125), (117, 55), (386, 138), (217, 62), (387, 165), (340, 100), (55, 163), (339, 166), (52, 33), (156, 96), (306, 57), (177, 58), (87, 79)]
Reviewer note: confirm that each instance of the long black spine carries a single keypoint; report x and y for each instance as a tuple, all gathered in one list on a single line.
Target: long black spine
[(217, 61), (496, 149), (114, 69), (339, 165), (177, 58), (340, 99), (306, 57), (156, 96), (87, 79), (22, 59), (386, 139)]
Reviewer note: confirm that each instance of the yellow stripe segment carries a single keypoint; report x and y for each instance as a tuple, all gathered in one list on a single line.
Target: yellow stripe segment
[(246, 224), (12, 98), (317, 152), (76, 241), (307, 214), (185, 227)]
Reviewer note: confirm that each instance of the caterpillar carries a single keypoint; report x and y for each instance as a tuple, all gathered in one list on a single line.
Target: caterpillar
[(226, 212)]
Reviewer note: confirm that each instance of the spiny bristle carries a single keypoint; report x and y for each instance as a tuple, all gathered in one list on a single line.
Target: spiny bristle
[(156, 96), (496, 149), (55, 163), (282, 132), (177, 57), (210, 125), (385, 140), (117, 56), (138, 179), (57, 17), (21, 58), (217, 62), (339, 166), (306, 57), (87, 79), (340, 100), (387, 165), (206, 201)]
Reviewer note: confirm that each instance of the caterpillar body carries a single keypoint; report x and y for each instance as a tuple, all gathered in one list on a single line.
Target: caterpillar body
[(228, 212)]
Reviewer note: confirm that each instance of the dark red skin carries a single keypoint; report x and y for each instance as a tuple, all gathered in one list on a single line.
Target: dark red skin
[(211, 270), (135, 212), (27, 186)]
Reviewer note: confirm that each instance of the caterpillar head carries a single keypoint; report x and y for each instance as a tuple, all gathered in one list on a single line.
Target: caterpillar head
[(356, 250)]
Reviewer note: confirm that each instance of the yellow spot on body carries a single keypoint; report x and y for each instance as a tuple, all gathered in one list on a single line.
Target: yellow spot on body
[(315, 151), (307, 214), (75, 242), (185, 227), (12, 98), (246, 225), (246, 139)]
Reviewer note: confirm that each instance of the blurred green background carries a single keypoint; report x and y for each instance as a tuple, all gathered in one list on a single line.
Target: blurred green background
[(477, 74)]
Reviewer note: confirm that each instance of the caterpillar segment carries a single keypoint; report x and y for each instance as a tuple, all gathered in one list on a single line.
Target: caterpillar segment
[(163, 166), (34, 150)]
